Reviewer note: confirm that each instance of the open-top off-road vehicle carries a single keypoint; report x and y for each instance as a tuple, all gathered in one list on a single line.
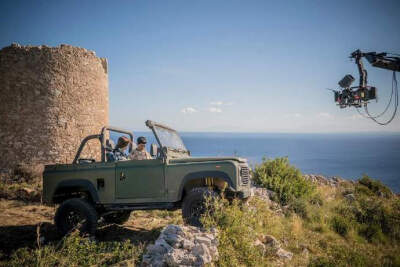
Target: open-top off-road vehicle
[(88, 190)]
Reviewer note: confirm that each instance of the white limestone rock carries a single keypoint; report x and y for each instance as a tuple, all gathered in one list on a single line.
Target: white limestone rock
[(182, 246)]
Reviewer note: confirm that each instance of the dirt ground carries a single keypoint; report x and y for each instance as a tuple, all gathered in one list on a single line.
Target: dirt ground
[(21, 223)]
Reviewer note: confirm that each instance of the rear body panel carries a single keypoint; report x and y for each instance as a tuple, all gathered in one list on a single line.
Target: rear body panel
[(94, 173)]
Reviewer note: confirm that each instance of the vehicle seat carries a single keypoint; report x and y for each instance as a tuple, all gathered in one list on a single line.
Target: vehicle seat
[(110, 147)]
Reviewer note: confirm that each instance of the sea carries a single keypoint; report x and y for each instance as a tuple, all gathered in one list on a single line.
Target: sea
[(349, 156)]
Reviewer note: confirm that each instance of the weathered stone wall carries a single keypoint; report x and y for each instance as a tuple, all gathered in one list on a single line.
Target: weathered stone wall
[(50, 98)]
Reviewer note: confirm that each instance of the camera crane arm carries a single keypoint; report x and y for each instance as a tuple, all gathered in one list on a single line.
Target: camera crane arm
[(359, 96), (379, 60)]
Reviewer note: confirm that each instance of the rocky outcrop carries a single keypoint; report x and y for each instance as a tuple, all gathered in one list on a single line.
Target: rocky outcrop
[(270, 243), (262, 193), (182, 246), (323, 180), (269, 197)]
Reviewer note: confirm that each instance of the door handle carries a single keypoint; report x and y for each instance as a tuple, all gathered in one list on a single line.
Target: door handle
[(122, 176)]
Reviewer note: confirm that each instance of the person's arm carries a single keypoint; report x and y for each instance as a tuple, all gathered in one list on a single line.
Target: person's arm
[(133, 155)]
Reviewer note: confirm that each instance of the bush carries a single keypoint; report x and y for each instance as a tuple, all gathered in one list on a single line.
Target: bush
[(340, 225), (299, 206), (369, 186), (377, 217), (375, 212), (286, 180), (236, 225), (340, 256), (391, 260)]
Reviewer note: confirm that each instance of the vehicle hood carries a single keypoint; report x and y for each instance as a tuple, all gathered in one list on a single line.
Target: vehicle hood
[(204, 159)]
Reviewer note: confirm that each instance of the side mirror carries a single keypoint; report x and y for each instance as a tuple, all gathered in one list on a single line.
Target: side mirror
[(153, 150)]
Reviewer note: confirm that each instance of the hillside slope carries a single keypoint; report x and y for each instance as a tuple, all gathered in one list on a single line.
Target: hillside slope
[(293, 220)]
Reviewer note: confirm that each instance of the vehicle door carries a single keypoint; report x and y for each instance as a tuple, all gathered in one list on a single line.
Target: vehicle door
[(140, 180)]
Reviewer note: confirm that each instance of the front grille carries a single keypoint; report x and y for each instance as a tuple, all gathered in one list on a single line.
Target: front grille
[(244, 175)]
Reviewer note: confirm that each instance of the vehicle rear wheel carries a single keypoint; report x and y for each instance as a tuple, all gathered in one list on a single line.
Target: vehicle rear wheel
[(194, 205), (119, 217), (76, 213)]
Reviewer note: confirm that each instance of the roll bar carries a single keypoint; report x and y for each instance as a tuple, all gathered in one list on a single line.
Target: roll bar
[(102, 139)]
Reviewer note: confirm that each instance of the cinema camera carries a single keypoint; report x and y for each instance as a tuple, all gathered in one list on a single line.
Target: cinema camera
[(358, 96), (353, 96)]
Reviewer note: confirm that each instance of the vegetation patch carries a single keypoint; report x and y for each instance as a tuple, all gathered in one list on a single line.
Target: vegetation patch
[(23, 183), (350, 224), (75, 250), (284, 179)]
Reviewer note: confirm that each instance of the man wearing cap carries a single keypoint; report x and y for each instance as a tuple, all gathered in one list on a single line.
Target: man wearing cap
[(119, 151), (140, 152)]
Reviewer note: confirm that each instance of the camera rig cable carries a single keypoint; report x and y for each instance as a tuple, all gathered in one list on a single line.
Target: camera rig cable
[(396, 103), (360, 97)]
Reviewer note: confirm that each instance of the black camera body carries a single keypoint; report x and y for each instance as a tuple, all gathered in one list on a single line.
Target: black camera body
[(359, 96), (353, 96)]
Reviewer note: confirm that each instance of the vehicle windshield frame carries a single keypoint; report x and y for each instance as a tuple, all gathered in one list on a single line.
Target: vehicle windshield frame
[(157, 128)]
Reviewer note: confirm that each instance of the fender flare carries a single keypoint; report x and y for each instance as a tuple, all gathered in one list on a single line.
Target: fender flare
[(79, 183), (202, 174)]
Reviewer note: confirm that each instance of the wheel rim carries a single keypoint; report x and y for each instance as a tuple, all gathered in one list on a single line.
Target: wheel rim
[(74, 219), (196, 210)]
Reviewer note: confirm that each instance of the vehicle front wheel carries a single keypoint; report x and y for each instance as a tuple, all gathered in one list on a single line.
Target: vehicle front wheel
[(76, 213), (194, 205), (120, 217)]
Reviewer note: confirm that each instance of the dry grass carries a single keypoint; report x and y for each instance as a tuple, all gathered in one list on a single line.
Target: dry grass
[(19, 236), (25, 184)]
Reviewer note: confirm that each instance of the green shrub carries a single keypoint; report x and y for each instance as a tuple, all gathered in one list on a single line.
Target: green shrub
[(299, 206), (340, 225), (374, 187), (236, 224), (339, 256), (375, 212), (322, 262), (377, 217), (316, 199), (286, 180), (391, 260), (371, 232)]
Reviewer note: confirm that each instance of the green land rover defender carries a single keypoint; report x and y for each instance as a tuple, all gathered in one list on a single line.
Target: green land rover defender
[(88, 190)]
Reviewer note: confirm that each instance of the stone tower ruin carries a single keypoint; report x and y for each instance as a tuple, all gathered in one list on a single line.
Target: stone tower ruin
[(50, 99)]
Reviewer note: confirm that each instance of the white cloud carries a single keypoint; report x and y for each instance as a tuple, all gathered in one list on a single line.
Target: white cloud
[(220, 103), (354, 117), (324, 115), (217, 103), (188, 110), (294, 115), (215, 110)]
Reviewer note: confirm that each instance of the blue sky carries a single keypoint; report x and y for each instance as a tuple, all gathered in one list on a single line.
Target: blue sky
[(239, 66)]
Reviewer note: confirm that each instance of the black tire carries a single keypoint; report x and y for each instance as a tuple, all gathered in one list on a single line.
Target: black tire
[(119, 217), (76, 213), (194, 205)]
